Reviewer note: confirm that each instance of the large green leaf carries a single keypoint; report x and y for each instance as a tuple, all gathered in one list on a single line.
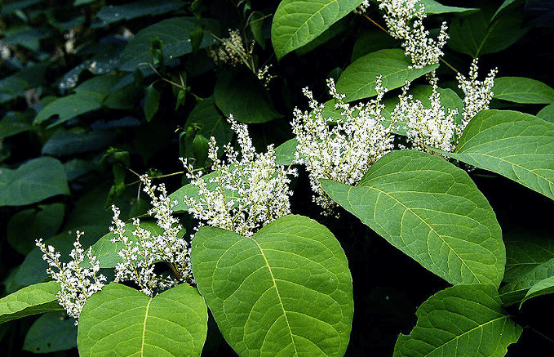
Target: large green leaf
[(464, 320), (430, 210), (175, 36), (538, 281), (286, 291), (522, 90), (297, 22), (515, 145), (32, 182), (32, 300), (240, 94), (121, 321), (477, 35), (358, 80)]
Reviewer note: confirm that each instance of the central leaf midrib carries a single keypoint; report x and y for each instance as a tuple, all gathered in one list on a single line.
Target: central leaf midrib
[(144, 327), (278, 294)]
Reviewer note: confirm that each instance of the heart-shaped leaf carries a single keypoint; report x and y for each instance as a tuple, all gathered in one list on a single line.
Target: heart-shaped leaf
[(286, 291), (121, 321), (515, 145), (430, 210)]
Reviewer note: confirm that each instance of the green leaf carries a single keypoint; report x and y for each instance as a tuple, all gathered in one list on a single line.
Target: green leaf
[(369, 41), (358, 80), (522, 90), (515, 145), (123, 321), (32, 300), (297, 22), (239, 93), (88, 96), (30, 77), (41, 222), (12, 124), (174, 34), (430, 210), (464, 320), (286, 291), (432, 7), (505, 5), (110, 14), (538, 281), (151, 102), (476, 35), (284, 153), (67, 108), (32, 182), (51, 332), (525, 252), (547, 113)]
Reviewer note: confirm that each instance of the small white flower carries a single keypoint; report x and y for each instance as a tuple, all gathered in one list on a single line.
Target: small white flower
[(77, 284), (343, 151), (246, 193)]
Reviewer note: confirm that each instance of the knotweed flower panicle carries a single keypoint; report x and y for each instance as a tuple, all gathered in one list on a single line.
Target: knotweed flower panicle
[(144, 250), (246, 191), (77, 284), (340, 149), (232, 50), (433, 126), (404, 19), (478, 94)]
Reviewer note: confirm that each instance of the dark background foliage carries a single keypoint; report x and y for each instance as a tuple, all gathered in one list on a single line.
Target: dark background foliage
[(134, 121)]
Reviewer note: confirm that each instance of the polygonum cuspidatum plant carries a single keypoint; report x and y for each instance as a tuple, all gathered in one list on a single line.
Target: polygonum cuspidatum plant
[(291, 195)]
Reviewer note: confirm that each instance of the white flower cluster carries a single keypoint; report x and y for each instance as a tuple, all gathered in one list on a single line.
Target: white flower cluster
[(142, 252), (404, 19), (433, 126), (340, 149), (478, 94), (362, 8), (242, 195), (77, 284), (232, 50)]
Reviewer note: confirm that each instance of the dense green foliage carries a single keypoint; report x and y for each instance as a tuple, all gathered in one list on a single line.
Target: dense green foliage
[(431, 255)]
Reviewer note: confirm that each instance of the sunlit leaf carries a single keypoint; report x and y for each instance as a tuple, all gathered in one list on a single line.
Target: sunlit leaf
[(464, 320), (286, 291), (121, 321), (32, 300), (522, 90), (430, 210)]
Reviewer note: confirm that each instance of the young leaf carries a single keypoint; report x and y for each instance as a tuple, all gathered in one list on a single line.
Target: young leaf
[(297, 22), (430, 210), (32, 300), (285, 291), (358, 80), (522, 90), (464, 320), (122, 321), (151, 102), (32, 182), (515, 145)]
